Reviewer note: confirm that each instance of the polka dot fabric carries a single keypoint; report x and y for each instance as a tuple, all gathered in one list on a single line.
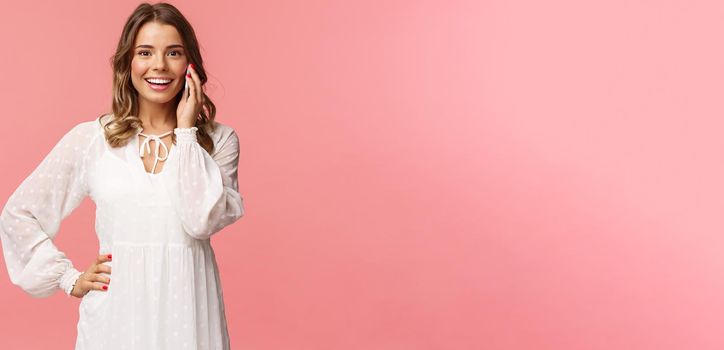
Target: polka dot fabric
[(166, 289)]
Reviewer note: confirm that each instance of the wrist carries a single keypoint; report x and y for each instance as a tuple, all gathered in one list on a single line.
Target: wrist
[(185, 134), (69, 279), (72, 288)]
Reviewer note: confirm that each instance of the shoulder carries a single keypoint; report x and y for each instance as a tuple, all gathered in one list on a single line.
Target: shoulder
[(103, 120), (222, 130), (223, 135), (90, 128), (82, 133)]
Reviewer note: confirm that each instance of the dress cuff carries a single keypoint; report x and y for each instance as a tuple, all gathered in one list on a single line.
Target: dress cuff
[(186, 134), (67, 281)]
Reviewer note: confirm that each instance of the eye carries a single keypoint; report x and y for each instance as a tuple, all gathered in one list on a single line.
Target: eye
[(142, 52), (178, 52)]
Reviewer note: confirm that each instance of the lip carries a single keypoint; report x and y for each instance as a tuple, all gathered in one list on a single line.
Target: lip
[(156, 87)]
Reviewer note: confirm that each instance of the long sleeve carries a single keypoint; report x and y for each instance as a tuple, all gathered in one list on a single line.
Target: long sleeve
[(206, 195), (32, 216)]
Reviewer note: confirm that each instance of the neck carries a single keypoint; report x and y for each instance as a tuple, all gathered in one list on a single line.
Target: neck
[(156, 116)]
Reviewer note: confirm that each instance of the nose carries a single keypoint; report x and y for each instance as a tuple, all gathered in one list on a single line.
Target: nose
[(159, 62)]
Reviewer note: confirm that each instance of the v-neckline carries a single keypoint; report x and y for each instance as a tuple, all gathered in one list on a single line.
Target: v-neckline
[(139, 160)]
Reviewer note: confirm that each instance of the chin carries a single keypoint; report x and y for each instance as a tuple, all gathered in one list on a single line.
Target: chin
[(155, 97)]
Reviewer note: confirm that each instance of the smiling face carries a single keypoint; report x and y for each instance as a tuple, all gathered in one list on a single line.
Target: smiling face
[(158, 52)]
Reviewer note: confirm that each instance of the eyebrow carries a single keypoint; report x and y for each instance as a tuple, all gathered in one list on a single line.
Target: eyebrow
[(151, 46)]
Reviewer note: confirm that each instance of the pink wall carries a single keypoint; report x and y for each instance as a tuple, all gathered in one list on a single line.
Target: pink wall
[(424, 174)]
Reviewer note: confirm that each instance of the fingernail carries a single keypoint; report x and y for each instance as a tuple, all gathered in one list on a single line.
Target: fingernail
[(192, 66), (110, 256), (105, 287), (188, 75)]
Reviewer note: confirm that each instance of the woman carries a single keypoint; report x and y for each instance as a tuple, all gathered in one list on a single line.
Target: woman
[(163, 176)]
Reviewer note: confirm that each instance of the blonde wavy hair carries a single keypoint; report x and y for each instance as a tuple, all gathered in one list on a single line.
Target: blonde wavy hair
[(124, 120)]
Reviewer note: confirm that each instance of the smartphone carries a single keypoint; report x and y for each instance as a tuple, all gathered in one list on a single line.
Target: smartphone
[(186, 85)]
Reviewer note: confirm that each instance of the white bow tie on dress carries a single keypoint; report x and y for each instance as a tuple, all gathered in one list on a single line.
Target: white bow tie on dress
[(159, 143)]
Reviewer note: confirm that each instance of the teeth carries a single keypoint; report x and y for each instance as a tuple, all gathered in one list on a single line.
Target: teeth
[(158, 81)]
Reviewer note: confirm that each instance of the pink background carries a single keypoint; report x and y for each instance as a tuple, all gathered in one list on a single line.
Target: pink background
[(424, 174)]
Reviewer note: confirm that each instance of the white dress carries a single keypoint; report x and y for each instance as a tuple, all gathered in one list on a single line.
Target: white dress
[(165, 291)]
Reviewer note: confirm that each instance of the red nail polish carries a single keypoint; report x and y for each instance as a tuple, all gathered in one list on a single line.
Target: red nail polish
[(105, 287), (110, 256), (192, 66)]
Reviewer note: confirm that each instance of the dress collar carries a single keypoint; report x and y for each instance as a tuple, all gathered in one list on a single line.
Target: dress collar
[(159, 144)]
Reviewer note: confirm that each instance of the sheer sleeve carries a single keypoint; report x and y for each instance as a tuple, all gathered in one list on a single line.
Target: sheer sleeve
[(206, 195), (32, 215)]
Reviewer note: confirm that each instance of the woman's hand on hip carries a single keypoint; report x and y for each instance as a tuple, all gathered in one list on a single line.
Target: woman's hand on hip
[(92, 279)]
